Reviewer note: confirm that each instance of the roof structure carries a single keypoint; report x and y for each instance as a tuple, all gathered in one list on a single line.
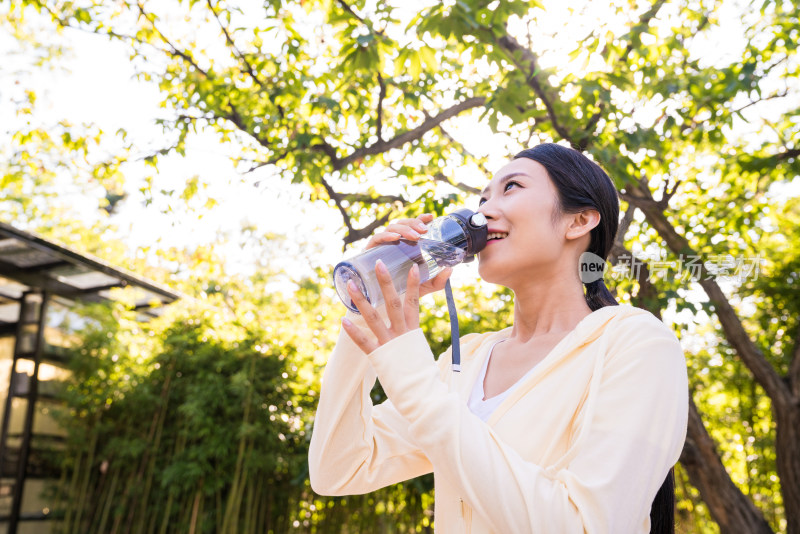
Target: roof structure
[(29, 261)]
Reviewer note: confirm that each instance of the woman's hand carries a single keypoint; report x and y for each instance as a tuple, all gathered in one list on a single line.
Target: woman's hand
[(403, 313), (411, 230)]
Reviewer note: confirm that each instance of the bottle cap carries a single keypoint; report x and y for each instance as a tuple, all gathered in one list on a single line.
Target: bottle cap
[(476, 228)]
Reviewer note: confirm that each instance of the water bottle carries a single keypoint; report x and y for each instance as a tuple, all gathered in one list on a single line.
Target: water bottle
[(450, 240)]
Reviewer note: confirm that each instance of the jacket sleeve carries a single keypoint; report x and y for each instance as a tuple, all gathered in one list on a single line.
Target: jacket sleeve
[(355, 447), (635, 435)]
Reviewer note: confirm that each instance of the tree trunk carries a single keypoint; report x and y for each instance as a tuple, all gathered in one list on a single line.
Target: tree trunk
[(733, 511), (787, 454)]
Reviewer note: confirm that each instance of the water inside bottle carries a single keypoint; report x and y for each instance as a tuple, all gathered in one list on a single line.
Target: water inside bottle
[(442, 254), (430, 255)]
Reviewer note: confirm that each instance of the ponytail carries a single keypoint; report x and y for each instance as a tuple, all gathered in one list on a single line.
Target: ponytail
[(598, 296), (662, 512)]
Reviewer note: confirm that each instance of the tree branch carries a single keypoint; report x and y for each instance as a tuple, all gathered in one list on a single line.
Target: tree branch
[(647, 293), (625, 223), (588, 130), (458, 185), (643, 23), (356, 234), (667, 193), (531, 70), (367, 199), (790, 153), (271, 161), (174, 50), (342, 210), (638, 200), (794, 368), (237, 52), (782, 94), (411, 135), (464, 151), (379, 118), (350, 10)]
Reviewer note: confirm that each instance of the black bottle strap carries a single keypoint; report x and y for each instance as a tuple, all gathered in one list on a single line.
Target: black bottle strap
[(451, 311)]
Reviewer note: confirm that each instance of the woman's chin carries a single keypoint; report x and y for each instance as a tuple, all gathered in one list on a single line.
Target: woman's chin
[(488, 274)]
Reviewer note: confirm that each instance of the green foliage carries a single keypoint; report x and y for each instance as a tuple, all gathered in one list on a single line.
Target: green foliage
[(196, 434)]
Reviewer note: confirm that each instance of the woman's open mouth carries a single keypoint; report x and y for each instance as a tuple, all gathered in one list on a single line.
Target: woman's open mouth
[(494, 237)]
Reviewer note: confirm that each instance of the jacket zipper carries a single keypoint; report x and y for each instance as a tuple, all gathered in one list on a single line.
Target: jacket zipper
[(466, 516)]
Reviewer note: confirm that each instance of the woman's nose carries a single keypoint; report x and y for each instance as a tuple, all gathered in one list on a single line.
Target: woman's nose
[(488, 210)]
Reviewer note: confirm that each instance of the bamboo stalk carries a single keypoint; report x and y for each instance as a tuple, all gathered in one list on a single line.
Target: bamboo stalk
[(109, 501), (220, 516), (185, 520), (247, 520), (260, 509), (231, 522), (59, 501), (123, 499), (167, 511), (101, 495), (71, 492), (86, 478), (268, 512), (153, 521), (151, 464), (195, 509), (158, 421), (180, 445)]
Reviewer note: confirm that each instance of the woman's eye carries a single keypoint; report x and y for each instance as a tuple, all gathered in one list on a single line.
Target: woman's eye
[(505, 188)]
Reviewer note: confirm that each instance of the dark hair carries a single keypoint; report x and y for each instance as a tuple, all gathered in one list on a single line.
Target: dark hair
[(583, 184)]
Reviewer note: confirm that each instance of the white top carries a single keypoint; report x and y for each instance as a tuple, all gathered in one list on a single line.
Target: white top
[(481, 406)]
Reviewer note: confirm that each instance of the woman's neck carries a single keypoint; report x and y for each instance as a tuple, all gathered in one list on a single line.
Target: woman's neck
[(548, 305)]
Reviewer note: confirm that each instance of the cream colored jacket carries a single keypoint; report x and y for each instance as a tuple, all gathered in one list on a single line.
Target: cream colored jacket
[(582, 445)]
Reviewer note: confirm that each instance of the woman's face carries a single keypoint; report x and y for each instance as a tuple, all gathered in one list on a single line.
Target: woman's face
[(519, 203)]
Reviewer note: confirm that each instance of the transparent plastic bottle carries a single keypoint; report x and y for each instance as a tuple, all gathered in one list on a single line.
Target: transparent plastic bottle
[(450, 240)]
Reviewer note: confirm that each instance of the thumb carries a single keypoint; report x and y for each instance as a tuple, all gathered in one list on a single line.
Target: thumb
[(437, 283)]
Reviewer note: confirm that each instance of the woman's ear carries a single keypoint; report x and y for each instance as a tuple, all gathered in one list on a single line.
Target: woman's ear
[(581, 223)]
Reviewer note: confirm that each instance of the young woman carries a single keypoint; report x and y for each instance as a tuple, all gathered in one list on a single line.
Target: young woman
[(568, 421)]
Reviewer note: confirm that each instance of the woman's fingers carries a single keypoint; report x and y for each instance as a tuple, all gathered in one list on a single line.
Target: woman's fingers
[(381, 238), (437, 283), (363, 340), (394, 305), (403, 313), (370, 314), (411, 307), (411, 229), (416, 222)]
